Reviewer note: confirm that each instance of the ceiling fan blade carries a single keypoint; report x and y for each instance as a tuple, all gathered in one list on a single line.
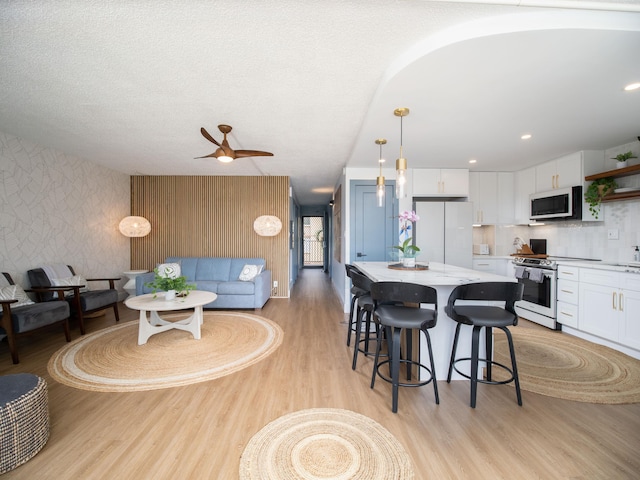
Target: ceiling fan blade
[(252, 153), (211, 155), (206, 135)]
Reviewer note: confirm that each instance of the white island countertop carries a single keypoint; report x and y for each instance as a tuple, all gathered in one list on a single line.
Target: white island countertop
[(444, 278), (438, 274)]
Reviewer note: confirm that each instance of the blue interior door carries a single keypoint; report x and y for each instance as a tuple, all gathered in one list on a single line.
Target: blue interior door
[(373, 228)]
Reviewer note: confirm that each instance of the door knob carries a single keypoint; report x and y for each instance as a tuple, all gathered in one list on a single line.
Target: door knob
[(361, 254)]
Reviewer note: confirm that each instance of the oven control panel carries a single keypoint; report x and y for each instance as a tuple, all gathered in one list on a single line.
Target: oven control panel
[(536, 262)]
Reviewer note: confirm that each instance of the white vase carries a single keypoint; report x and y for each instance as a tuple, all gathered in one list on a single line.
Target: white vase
[(409, 262), (621, 164), (170, 295)]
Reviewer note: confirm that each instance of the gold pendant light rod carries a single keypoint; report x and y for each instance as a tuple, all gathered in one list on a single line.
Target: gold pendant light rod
[(380, 180)]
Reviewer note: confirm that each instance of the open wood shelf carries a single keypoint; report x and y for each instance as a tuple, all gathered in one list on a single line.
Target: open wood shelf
[(618, 172), (610, 197)]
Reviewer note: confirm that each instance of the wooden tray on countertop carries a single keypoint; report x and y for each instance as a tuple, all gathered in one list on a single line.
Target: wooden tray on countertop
[(399, 266)]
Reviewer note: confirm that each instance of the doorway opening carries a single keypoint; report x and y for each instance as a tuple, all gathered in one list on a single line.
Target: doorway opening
[(313, 241)]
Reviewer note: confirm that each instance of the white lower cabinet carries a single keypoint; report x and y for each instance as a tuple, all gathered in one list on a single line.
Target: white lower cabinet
[(484, 265), (567, 295), (492, 265), (630, 304), (598, 312), (610, 306)]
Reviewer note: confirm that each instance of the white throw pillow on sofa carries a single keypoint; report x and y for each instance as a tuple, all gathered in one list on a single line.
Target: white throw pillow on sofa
[(169, 270), (249, 272)]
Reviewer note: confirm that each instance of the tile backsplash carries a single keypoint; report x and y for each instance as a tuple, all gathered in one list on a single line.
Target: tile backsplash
[(581, 239), (577, 239)]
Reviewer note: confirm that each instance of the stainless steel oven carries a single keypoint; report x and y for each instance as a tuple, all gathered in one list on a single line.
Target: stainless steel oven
[(539, 277)]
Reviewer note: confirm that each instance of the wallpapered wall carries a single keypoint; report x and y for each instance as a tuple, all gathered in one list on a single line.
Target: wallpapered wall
[(60, 209)]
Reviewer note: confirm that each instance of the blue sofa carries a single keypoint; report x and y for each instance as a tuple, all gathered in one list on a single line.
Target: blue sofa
[(220, 276)]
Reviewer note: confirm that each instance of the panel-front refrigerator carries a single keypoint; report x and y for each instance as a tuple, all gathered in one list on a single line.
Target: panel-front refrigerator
[(444, 233)]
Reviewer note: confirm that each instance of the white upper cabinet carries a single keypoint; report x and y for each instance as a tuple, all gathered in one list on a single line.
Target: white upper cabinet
[(483, 193), (506, 198), (560, 173), (525, 186), (443, 182), (492, 195)]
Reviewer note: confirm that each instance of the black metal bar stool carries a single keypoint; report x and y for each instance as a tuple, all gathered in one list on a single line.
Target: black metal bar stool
[(355, 293), (397, 307), (363, 314), (486, 316)]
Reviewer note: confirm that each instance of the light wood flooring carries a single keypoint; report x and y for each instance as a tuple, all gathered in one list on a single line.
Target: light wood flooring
[(199, 431)]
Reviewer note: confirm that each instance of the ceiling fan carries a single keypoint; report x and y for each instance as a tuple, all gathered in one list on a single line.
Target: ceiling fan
[(225, 153)]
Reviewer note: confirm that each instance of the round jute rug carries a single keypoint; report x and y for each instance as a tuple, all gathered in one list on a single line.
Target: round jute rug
[(111, 360), (324, 443), (563, 366)]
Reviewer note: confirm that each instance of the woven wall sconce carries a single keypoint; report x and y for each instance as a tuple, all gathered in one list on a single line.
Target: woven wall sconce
[(134, 226), (267, 225)]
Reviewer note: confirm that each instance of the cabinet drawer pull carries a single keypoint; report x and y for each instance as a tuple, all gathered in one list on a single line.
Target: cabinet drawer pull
[(566, 314), (566, 273), (567, 291), (621, 302), (614, 297)]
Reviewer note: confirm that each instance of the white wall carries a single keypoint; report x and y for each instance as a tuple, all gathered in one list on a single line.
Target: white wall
[(60, 209)]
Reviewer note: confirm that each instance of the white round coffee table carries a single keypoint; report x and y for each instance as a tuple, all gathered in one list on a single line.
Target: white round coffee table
[(153, 324)]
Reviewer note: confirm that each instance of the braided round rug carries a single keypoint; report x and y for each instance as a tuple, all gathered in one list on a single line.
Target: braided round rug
[(111, 360), (324, 443), (563, 366)]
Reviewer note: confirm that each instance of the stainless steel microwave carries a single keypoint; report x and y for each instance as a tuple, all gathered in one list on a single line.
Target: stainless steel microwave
[(559, 204)]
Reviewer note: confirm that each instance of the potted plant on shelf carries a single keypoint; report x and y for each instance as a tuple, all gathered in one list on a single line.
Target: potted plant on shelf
[(168, 279), (598, 189), (622, 158)]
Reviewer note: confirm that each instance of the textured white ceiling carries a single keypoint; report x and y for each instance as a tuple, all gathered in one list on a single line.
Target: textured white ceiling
[(129, 84)]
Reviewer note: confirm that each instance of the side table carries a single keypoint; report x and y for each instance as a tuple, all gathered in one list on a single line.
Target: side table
[(130, 286)]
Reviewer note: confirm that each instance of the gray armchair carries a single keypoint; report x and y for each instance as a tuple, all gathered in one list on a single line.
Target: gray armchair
[(21, 316), (82, 301)]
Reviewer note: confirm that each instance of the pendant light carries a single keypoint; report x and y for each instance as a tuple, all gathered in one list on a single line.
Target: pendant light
[(401, 163), (380, 179)]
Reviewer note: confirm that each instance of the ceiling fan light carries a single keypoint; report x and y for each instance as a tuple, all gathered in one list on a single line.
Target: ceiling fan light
[(225, 159)]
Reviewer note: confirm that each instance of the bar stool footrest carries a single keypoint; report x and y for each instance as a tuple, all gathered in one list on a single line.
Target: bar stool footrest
[(401, 384), (483, 380), (372, 342)]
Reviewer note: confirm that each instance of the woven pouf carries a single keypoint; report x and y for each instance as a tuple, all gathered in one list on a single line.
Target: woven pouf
[(24, 418)]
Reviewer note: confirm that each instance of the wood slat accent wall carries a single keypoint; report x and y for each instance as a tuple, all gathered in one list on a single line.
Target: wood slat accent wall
[(211, 216)]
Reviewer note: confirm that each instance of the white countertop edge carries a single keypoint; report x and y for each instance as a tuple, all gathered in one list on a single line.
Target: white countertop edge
[(438, 274), (600, 265)]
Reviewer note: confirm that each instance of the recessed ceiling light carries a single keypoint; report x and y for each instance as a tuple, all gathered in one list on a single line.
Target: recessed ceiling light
[(473, 160), (632, 86), (526, 136)]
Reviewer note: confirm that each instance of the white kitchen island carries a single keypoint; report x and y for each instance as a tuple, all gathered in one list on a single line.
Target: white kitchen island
[(444, 278)]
